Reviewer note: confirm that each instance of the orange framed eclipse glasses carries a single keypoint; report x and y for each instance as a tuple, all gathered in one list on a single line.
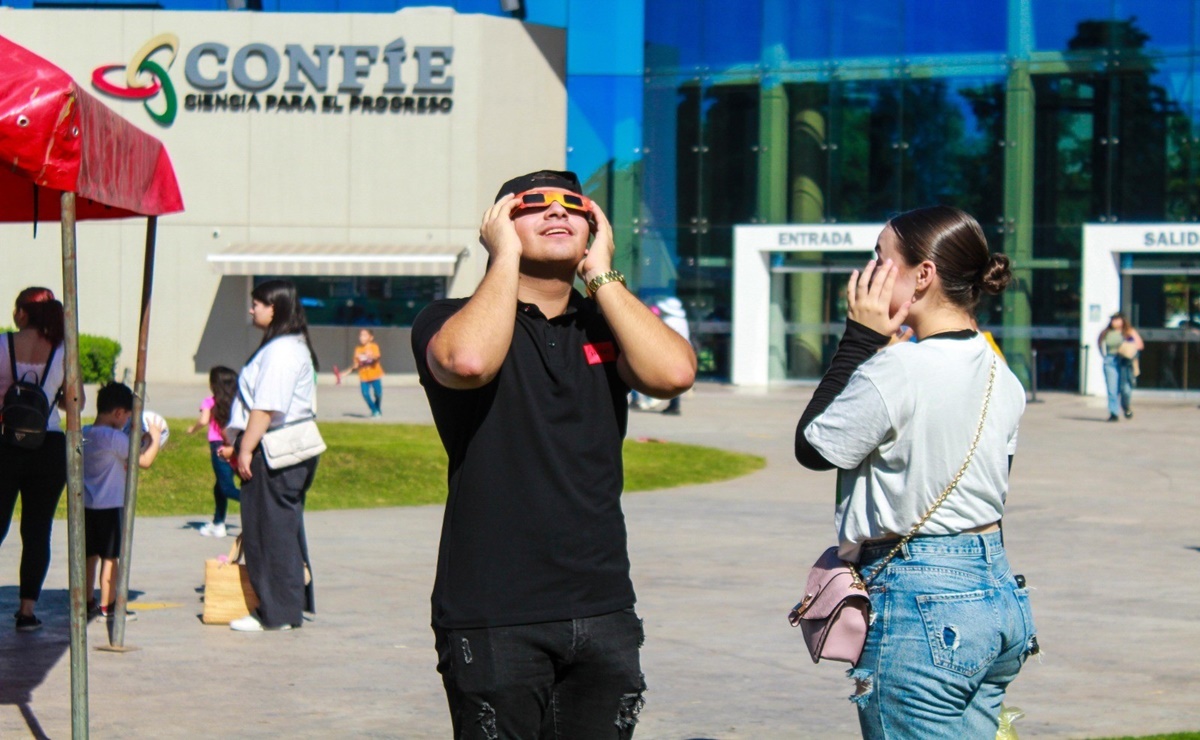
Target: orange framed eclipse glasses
[(570, 201)]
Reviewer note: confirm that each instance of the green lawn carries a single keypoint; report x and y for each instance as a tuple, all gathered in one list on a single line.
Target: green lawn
[(372, 465)]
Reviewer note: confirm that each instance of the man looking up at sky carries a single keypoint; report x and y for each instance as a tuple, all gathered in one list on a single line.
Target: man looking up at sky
[(527, 380)]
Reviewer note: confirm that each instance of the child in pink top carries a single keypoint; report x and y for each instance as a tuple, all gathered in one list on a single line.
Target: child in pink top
[(214, 415)]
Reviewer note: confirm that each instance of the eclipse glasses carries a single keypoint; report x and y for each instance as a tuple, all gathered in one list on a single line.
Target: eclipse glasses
[(570, 201)]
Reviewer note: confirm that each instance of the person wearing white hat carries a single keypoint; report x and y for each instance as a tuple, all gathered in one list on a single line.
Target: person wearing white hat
[(673, 315)]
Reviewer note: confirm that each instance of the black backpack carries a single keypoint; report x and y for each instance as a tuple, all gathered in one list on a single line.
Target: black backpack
[(26, 411)]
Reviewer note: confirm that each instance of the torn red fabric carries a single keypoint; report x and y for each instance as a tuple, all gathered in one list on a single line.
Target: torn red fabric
[(56, 137)]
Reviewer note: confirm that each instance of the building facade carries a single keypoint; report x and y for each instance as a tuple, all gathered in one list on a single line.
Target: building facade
[(691, 118)]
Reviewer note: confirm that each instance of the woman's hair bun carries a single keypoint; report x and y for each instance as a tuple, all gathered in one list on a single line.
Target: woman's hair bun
[(996, 274)]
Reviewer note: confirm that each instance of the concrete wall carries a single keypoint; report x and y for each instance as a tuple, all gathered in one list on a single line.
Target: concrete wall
[(293, 177)]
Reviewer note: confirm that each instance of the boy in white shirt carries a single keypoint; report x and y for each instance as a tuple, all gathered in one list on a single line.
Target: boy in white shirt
[(105, 451)]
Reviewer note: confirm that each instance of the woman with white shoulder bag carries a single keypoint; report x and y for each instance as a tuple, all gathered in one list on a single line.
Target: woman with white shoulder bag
[(275, 453)]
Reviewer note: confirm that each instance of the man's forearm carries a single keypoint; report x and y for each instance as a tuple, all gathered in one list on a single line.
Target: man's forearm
[(469, 349), (656, 360)]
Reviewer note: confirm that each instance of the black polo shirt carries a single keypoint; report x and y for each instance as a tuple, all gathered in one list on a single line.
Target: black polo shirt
[(533, 530)]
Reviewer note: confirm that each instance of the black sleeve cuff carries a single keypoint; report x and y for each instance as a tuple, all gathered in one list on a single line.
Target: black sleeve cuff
[(858, 345)]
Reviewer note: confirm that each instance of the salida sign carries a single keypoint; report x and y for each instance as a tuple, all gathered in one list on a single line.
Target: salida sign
[(308, 79)]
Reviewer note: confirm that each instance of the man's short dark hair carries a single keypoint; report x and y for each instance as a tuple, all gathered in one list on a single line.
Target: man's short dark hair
[(113, 396), (542, 179)]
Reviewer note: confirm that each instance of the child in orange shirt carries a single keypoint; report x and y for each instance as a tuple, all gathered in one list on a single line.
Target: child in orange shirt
[(370, 372)]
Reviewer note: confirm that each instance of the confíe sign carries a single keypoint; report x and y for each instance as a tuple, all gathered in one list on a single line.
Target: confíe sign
[(238, 81)]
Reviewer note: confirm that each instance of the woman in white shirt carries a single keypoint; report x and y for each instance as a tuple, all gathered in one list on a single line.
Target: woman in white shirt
[(276, 387), (36, 475), (950, 623)]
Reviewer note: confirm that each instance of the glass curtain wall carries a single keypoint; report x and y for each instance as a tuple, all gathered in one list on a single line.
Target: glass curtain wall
[(1035, 117)]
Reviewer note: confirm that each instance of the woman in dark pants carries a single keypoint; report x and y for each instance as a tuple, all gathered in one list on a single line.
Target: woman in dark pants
[(36, 475), (276, 387)]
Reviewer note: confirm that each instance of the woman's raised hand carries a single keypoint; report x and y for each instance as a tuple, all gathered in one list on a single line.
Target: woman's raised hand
[(869, 298)]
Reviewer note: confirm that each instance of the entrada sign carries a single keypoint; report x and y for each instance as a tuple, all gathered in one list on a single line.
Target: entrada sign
[(212, 69), (815, 239)]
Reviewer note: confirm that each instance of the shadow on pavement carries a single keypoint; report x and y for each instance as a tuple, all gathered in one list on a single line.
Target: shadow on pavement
[(26, 658)]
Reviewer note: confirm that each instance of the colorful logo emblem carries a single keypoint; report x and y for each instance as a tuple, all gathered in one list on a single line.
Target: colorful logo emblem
[(145, 78)]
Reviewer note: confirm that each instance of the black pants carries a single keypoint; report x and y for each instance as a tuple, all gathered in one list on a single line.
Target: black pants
[(274, 542), (578, 678), (38, 477)]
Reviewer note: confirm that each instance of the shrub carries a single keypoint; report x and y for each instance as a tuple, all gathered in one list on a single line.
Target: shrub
[(97, 357)]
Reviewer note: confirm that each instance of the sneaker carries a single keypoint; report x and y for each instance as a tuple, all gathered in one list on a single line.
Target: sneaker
[(1113, 417), (1128, 413), (110, 611), (27, 622), (213, 530), (250, 623), (376, 414), (93, 610)]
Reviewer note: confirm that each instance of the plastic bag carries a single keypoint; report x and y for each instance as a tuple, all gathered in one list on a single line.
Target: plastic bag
[(1008, 715)]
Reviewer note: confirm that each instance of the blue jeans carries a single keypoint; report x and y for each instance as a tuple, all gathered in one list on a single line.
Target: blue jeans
[(578, 678), (950, 629), (1118, 379), (369, 387), (225, 489)]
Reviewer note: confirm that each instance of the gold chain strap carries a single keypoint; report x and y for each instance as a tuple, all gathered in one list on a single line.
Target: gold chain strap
[(987, 398)]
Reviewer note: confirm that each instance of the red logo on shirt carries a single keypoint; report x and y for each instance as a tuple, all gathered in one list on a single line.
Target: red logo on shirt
[(598, 352)]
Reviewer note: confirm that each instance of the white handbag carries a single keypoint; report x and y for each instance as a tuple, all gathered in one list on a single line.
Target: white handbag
[(292, 443)]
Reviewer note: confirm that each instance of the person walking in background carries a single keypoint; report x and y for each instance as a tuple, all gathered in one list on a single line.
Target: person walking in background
[(370, 371), (105, 468), (950, 624), (673, 315), (214, 416), (533, 615), (276, 388), (1119, 347), (33, 353)]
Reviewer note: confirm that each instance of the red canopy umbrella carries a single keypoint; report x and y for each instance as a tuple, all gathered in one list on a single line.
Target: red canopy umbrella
[(65, 157)]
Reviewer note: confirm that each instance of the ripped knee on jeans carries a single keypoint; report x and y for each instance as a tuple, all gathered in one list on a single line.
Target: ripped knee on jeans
[(863, 686), (487, 720), (629, 708)]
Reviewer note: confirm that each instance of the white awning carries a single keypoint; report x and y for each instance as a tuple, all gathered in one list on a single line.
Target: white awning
[(356, 260)]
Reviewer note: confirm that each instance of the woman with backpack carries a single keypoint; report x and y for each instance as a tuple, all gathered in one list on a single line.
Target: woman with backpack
[(33, 461)]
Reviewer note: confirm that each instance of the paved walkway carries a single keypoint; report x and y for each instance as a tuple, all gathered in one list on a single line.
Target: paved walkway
[(1102, 520)]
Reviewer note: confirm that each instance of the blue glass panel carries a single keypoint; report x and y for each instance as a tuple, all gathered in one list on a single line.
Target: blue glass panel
[(952, 131), (545, 12), (673, 35), (732, 33), (490, 7), (867, 28), (864, 136), (605, 38), (796, 30), (1167, 23), (1056, 23), (954, 26), (604, 122)]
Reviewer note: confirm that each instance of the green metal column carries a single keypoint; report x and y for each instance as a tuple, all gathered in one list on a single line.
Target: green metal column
[(1018, 215), (772, 205), (808, 207), (1019, 106)]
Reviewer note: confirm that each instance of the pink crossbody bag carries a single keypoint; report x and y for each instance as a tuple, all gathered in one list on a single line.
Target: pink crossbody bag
[(835, 611)]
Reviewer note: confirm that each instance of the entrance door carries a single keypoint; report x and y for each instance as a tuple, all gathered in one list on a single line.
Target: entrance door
[(1165, 309), (809, 300)]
